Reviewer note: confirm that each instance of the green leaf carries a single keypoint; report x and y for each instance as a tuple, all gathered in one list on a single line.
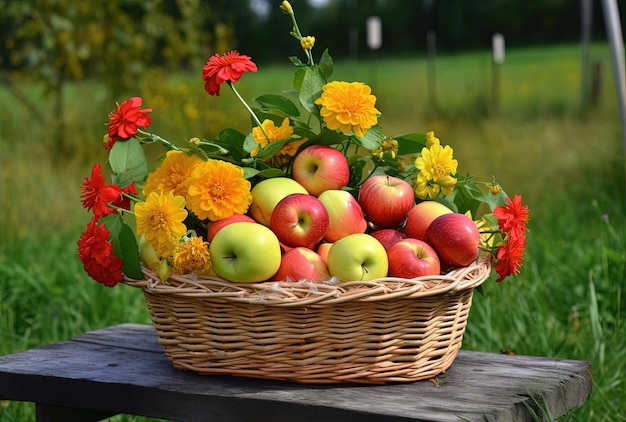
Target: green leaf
[(268, 173), (326, 64), (311, 88), (277, 102), (113, 223), (411, 143), (128, 157), (272, 148), (372, 138), (296, 61), (125, 248)]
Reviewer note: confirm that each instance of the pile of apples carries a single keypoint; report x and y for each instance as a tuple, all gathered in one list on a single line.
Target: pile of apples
[(307, 228)]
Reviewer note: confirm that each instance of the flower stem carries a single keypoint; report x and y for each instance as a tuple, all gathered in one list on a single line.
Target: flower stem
[(157, 138), (254, 116)]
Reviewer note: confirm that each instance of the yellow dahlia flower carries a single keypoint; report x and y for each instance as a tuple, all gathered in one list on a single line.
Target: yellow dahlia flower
[(436, 162), (348, 107), (274, 133), (160, 219)]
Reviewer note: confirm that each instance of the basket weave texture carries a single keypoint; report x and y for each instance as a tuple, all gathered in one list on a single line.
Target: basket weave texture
[(381, 331)]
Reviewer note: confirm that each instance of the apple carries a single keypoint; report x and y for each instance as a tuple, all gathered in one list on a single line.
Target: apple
[(301, 264), (386, 200), (410, 258), (421, 215), (215, 226), (244, 252), (455, 238), (345, 215), (267, 193), (319, 168), (388, 237), (299, 219), (358, 257), (322, 250)]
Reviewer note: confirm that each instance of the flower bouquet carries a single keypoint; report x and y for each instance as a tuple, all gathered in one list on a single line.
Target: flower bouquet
[(314, 248)]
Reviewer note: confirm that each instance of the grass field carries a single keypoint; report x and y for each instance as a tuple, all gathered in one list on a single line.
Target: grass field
[(567, 163)]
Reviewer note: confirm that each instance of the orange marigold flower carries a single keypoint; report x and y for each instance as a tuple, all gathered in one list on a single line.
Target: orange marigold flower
[(160, 219), (191, 255), (228, 67), (124, 121), (512, 218), (96, 194), (510, 256), (96, 252), (348, 107), (218, 190), (173, 174)]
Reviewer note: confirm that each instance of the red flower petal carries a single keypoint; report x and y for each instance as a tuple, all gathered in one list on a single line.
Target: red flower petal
[(96, 253), (96, 194)]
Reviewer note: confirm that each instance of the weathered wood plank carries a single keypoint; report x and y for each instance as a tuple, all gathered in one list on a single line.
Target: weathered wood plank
[(122, 369)]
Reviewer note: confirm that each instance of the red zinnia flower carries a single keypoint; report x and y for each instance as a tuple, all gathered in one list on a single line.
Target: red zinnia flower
[(95, 194), (96, 252), (124, 121), (228, 67), (510, 256), (512, 217)]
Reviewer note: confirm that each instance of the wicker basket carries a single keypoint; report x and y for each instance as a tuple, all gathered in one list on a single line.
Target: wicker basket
[(387, 330)]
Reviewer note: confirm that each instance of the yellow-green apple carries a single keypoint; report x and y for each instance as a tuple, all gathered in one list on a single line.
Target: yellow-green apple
[(358, 257), (215, 226), (410, 258), (345, 215), (322, 250), (299, 219), (455, 238), (267, 193), (421, 215), (388, 237), (386, 200), (319, 168), (301, 264), (245, 252)]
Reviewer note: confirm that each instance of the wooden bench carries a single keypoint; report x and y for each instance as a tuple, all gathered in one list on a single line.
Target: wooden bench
[(122, 369)]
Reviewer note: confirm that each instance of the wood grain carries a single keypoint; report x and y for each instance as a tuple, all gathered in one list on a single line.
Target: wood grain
[(122, 369)]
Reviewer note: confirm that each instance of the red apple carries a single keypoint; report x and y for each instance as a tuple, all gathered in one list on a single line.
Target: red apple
[(322, 250), (388, 237), (319, 168), (299, 219), (455, 238), (215, 226), (386, 200), (301, 264), (410, 258), (421, 215), (345, 215)]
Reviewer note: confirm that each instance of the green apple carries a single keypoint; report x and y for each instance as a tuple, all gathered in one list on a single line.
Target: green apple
[(359, 257), (245, 252), (267, 193)]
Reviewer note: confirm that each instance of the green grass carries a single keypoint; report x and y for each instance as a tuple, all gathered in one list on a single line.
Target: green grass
[(567, 163)]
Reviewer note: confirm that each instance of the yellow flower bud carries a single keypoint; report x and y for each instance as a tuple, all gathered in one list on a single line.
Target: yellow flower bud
[(431, 139), (495, 189), (164, 269), (285, 6), (307, 42), (194, 141), (148, 254)]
